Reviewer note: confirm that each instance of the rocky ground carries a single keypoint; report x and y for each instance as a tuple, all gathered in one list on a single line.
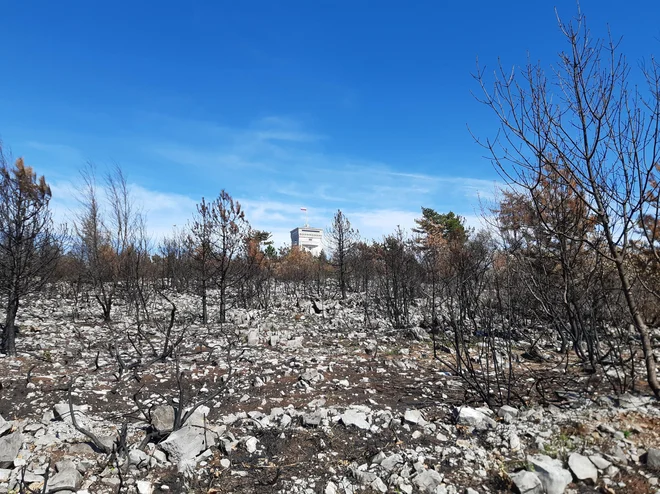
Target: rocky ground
[(307, 401)]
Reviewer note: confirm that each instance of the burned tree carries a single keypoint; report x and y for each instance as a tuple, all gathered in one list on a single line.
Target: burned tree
[(342, 238), (28, 246), (217, 239), (437, 234), (597, 135), (110, 241), (398, 277)]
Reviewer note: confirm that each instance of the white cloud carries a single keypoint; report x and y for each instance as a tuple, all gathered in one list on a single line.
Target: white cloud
[(374, 225), (279, 135), (61, 152), (163, 210), (274, 166)]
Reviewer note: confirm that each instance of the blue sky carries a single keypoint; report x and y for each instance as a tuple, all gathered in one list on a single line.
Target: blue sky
[(360, 105)]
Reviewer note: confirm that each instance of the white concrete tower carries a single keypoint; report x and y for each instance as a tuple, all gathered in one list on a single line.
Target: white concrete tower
[(307, 237)]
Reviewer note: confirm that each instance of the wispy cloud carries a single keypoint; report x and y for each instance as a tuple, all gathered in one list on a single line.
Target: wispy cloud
[(378, 223), (162, 210), (278, 135), (60, 150), (274, 166)]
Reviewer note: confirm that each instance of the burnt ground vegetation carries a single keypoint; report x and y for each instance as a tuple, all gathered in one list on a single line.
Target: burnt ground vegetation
[(303, 401)]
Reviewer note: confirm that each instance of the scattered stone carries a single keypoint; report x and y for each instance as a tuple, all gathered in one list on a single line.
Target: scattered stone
[(527, 482), (66, 480), (551, 473), (314, 419), (144, 487), (162, 417), (427, 481), (600, 462), (358, 419), (507, 412), (631, 401), (274, 391), (391, 462), (61, 411), (475, 418), (138, 458), (253, 337), (184, 445), (251, 444), (10, 445), (514, 442), (582, 467), (413, 416), (653, 458)]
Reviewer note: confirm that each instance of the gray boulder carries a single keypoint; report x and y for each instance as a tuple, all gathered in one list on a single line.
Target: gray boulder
[(4, 425), (418, 333), (253, 337), (653, 458), (330, 488), (600, 462), (364, 478), (318, 306), (475, 418), (507, 413), (391, 462), (551, 473), (296, 342), (10, 445), (427, 481), (250, 443), (514, 442), (138, 458), (582, 467), (66, 480), (527, 482), (62, 412), (414, 417), (162, 418), (183, 446), (378, 485), (631, 401), (65, 464), (144, 487), (315, 418), (358, 419), (311, 376)]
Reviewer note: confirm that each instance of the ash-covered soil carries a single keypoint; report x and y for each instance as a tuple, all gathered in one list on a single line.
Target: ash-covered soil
[(301, 398)]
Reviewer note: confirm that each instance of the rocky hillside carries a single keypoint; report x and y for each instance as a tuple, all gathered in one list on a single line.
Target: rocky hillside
[(298, 399)]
